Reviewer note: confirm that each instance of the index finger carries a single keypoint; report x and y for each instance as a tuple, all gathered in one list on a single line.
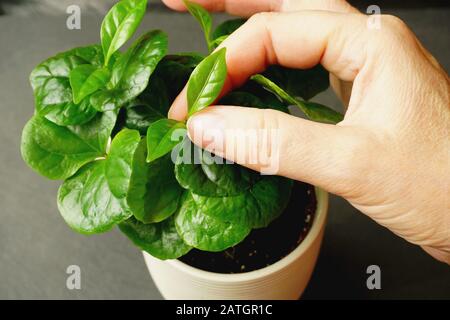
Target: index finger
[(246, 8), (296, 40)]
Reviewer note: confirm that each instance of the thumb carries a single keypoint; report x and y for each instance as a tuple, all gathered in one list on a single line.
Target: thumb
[(273, 142)]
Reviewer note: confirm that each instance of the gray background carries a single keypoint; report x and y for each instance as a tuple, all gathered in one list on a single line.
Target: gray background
[(36, 246)]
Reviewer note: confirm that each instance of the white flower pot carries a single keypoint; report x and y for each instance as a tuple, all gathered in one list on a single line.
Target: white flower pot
[(285, 279)]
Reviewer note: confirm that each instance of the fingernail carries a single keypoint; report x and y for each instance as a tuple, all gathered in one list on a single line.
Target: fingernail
[(206, 129)]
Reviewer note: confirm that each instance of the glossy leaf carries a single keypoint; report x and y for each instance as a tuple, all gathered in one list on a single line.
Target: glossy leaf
[(216, 42), (56, 106), (162, 136), (206, 82), (214, 178), (60, 65), (138, 181), (140, 60), (131, 72), (92, 54), (255, 208), (187, 59), (320, 113), (119, 162), (246, 99), (172, 77), (203, 18), (163, 192), (52, 90), (161, 240), (87, 203), (120, 24), (229, 176), (140, 116), (156, 95), (241, 209), (58, 152), (154, 192), (87, 79), (120, 123), (269, 99), (272, 193), (205, 232), (313, 111)]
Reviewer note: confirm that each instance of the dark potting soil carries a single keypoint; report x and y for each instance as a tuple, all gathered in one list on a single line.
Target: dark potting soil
[(265, 246)]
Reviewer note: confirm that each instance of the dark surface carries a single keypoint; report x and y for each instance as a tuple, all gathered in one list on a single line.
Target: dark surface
[(36, 246)]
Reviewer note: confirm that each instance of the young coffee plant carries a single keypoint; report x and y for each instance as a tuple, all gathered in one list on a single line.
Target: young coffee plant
[(100, 125)]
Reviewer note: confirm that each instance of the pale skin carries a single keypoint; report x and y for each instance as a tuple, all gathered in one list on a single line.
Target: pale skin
[(389, 157)]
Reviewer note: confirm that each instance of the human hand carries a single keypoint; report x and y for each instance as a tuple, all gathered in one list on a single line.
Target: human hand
[(389, 157)]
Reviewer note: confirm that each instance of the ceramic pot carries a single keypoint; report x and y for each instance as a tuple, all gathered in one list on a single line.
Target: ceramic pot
[(285, 279)]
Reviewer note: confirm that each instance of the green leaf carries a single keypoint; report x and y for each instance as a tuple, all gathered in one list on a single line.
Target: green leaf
[(92, 54), (138, 181), (204, 19), (163, 191), (303, 83), (156, 95), (313, 111), (120, 123), (255, 208), (86, 202), (242, 98), (140, 60), (172, 77), (120, 24), (320, 113), (60, 65), (216, 42), (269, 99), (58, 152), (119, 163), (270, 85), (106, 100), (241, 209), (154, 192), (229, 176), (161, 240), (131, 72), (202, 174), (87, 79), (206, 82), (187, 59), (52, 90), (162, 136), (272, 193), (205, 232), (140, 116), (53, 103)]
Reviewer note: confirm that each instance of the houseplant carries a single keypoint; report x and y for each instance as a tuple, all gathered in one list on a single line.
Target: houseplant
[(100, 126)]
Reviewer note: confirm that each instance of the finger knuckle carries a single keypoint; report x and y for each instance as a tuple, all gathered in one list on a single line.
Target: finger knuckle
[(261, 18), (394, 33), (396, 26), (269, 119), (394, 22), (270, 125)]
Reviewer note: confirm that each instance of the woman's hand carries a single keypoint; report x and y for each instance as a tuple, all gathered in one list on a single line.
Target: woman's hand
[(390, 156)]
